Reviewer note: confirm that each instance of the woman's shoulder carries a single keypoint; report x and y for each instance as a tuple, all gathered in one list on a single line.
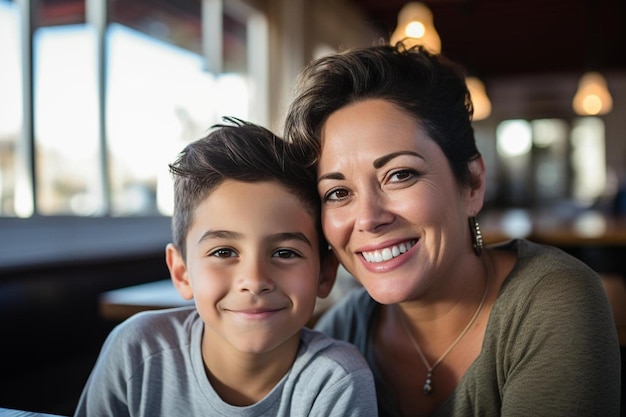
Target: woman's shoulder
[(354, 305), (545, 277), (538, 262), (350, 317)]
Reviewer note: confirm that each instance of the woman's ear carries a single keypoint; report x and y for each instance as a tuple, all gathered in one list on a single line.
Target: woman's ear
[(476, 190), (328, 274), (178, 271)]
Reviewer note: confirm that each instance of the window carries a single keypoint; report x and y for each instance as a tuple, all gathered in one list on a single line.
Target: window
[(546, 161), (10, 110), (588, 159), (112, 106), (66, 121), (91, 114)]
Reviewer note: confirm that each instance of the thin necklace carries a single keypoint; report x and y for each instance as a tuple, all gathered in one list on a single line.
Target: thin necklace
[(428, 386)]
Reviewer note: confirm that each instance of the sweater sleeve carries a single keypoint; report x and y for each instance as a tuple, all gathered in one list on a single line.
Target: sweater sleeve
[(351, 396), (561, 355), (104, 393)]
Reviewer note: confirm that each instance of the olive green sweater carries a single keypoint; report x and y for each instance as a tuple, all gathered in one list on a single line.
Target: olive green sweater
[(550, 347)]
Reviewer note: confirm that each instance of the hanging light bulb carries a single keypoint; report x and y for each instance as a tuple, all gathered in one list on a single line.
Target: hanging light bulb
[(593, 97), (480, 100), (416, 27)]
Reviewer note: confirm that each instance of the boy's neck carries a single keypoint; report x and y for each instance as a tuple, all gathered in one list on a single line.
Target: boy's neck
[(241, 378)]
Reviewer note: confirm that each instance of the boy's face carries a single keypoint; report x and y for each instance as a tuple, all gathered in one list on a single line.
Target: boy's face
[(252, 267)]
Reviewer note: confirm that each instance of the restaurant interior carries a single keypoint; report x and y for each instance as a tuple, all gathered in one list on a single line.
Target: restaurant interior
[(98, 96)]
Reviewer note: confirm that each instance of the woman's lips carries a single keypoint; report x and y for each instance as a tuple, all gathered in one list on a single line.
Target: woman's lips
[(390, 252)]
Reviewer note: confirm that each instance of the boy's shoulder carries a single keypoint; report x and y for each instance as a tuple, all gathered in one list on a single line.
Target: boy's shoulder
[(331, 374), (156, 330), (165, 319)]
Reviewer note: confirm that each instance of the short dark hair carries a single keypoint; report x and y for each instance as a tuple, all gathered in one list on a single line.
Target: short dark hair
[(429, 87), (240, 151)]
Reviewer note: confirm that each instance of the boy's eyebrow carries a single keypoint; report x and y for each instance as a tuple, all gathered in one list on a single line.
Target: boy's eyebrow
[(215, 234), (278, 237)]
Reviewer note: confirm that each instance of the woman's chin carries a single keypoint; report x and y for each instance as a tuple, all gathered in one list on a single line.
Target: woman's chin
[(388, 293)]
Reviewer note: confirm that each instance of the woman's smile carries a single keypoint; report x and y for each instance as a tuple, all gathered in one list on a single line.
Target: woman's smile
[(385, 254)]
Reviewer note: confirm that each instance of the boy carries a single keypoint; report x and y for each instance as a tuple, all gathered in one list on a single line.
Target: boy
[(248, 249)]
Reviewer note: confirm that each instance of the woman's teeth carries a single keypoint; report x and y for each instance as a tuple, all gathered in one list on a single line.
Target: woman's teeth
[(388, 253)]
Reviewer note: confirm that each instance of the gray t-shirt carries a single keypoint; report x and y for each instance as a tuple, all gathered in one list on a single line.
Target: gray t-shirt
[(550, 347), (151, 365)]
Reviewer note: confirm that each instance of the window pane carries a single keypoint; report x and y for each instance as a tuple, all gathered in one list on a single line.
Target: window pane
[(550, 160), (10, 107), (66, 121), (514, 145), (588, 159), (159, 98)]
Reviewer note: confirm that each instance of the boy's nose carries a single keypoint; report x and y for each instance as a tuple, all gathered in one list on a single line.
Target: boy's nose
[(255, 278)]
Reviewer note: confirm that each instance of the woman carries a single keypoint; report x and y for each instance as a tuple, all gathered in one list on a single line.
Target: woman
[(449, 327)]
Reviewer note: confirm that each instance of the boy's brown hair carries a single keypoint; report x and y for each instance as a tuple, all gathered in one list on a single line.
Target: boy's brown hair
[(240, 151)]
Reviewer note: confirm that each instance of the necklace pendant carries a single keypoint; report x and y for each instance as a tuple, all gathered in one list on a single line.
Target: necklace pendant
[(428, 388)]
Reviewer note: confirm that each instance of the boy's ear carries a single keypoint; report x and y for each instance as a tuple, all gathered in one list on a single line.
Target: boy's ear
[(328, 275), (178, 271)]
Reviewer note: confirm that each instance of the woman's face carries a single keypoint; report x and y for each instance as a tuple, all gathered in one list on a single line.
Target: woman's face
[(391, 207)]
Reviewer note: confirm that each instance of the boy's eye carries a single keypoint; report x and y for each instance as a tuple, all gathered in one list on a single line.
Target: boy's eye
[(223, 253), (285, 253)]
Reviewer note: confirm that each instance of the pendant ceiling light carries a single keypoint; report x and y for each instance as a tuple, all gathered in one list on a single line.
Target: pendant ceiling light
[(416, 27), (593, 97), (480, 100)]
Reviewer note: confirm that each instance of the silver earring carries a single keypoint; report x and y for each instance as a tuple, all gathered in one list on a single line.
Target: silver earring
[(477, 236)]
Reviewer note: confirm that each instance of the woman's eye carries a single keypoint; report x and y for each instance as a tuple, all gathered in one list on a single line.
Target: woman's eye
[(336, 194), (223, 253), (285, 253), (402, 175)]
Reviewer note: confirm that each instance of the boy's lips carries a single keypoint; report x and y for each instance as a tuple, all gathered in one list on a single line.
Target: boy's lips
[(388, 252), (256, 312)]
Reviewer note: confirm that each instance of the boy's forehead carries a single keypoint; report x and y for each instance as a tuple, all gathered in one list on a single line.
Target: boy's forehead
[(263, 185), (237, 202)]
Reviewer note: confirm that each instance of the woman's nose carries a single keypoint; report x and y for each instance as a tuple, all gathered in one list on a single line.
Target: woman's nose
[(372, 213), (255, 278)]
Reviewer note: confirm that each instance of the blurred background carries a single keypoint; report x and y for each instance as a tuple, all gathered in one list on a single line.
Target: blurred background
[(97, 97)]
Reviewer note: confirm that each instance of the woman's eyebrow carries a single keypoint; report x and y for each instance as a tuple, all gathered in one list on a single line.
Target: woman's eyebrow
[(386, 158), (331, 176), (379, 162)]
